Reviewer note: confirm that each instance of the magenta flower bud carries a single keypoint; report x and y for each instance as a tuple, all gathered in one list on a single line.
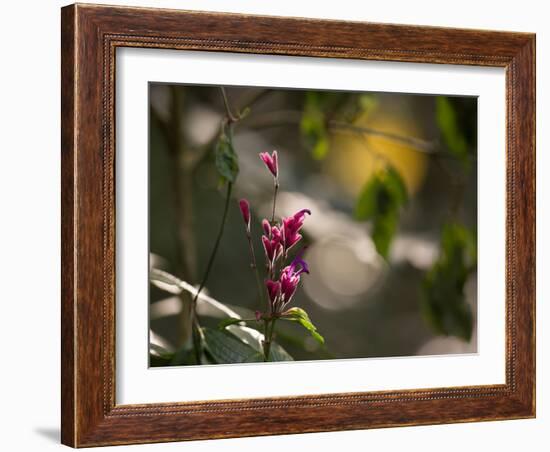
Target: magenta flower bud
[(245, 211), (266, 227), (270, 162), (273, 290), (277, 234), (273, 249)]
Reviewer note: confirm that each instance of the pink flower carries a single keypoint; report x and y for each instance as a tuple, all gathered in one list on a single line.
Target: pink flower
[(272, 241), (273, 249), (289, 284), (245, 210), (291, 227), (290, 278), (278, 238), (273, 290), (271, 162), (266, 227), (277, 234)]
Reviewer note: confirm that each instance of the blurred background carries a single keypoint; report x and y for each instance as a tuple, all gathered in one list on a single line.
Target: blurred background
[(396, 281)]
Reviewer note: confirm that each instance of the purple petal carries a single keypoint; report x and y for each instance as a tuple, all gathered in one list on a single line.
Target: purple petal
[(298, 261)]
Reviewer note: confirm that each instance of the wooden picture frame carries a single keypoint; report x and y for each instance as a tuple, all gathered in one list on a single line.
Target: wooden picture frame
[(90, 36)]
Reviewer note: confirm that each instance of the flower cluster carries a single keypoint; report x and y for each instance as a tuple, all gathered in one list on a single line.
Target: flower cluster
[(282, 290), (278, 239)]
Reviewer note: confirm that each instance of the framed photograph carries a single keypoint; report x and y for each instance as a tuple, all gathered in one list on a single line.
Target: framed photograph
[(282, 225)]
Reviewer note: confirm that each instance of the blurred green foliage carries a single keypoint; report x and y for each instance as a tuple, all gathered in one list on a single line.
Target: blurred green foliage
[(380, 201), (457, 124), (320, 107), (313, 124), (443, 299)]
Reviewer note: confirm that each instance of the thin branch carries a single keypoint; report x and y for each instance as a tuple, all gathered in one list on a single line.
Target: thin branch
[(251, 100), (279, 118), (255, 270), (293, 117), (230, 116), (197, 333), (415, 143), (217, 243), (223, 220), (275, 190), (375, 153)]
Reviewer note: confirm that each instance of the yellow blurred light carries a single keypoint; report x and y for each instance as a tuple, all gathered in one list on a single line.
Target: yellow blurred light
[(355, 157)]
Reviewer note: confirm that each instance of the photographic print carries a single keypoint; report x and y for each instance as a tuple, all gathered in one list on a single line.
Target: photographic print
[(292, 225), (327, 227)]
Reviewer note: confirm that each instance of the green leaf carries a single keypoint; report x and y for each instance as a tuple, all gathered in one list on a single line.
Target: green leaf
[(396, 186), (278, 353), (159, 356), (248, 335), (254, 339), (206, 305), (165, 281), (232, 321), (227, 162), (366, 204), (321, 148), (313, 123), (366, 103), (160, 351), (380, 201), (443, 300), (383, 231), (302, 317), (240, 344), (225, 348), (453, 136), (243, 114), (184, 356), (384, 191)]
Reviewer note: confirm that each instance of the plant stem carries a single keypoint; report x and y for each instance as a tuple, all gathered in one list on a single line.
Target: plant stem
[(230, 117), (275, 190), (217, 243), (197, 333), (267, 338), (209, 267), (254, 267)]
